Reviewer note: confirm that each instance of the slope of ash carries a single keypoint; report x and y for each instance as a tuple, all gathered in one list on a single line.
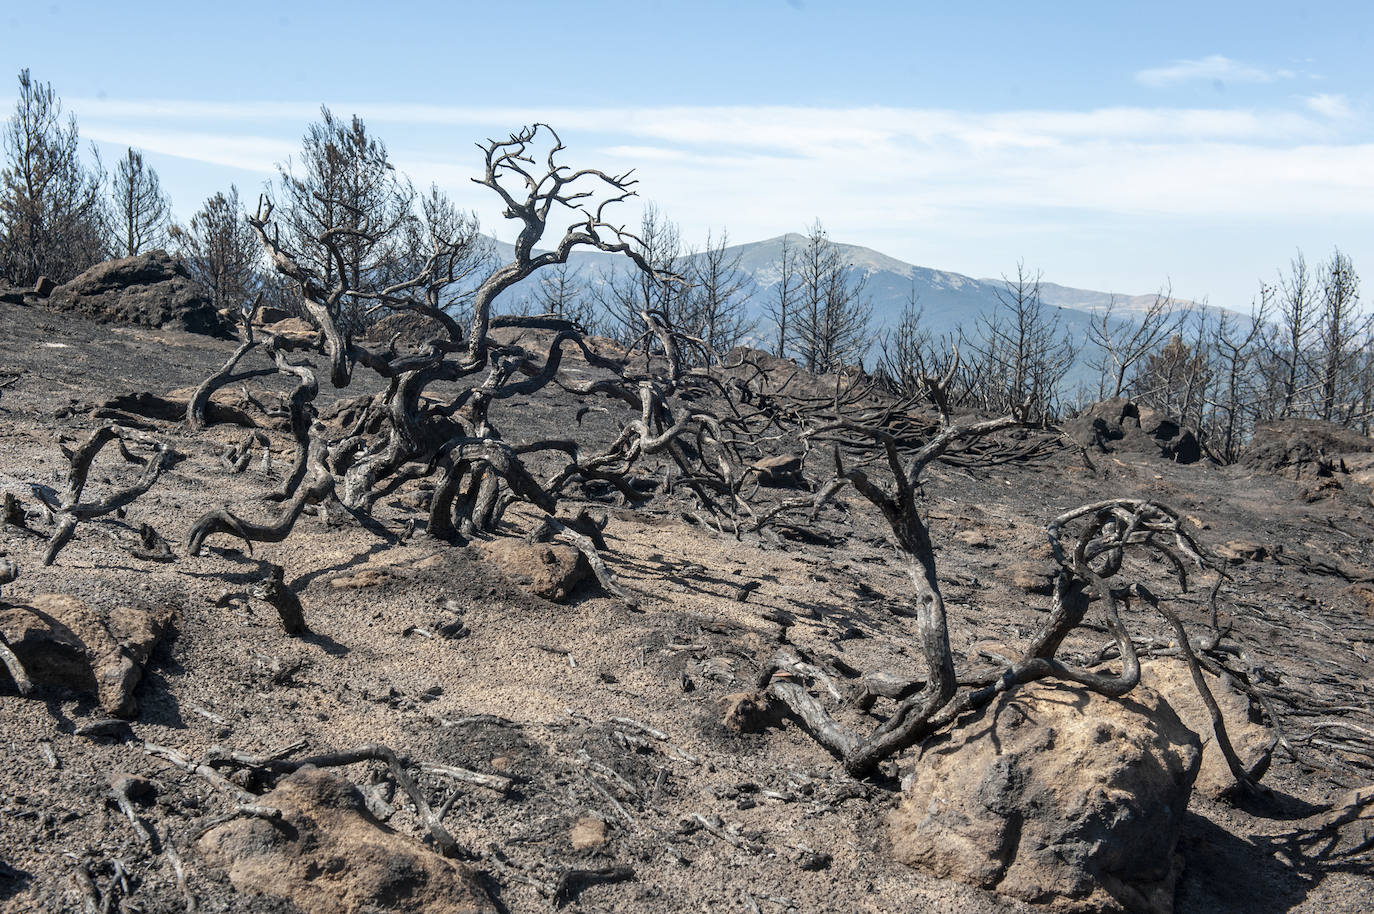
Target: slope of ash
[(618, 788)]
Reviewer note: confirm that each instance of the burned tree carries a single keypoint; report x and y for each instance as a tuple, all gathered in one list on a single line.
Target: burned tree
[(404, 432), (1096, 547)]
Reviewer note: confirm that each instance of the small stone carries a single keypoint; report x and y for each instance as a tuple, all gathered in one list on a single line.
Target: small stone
[(1238, 552), (588, 833), (745, 712), (974, 538), (368, 577), (784, 471)]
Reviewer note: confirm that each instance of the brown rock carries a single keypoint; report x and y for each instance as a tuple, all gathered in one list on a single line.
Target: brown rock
[(292, 328), (745, 712), (1253, 742), (271, 315), (588, 833), (784, 471), (1035, 576), (547, 570), (44, 287), (1237, 552), (368, 577), (328, 855), (1056, 796), (61, 641), (975, 538)]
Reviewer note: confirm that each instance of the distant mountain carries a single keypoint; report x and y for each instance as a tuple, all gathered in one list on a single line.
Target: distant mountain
[(948, 301)]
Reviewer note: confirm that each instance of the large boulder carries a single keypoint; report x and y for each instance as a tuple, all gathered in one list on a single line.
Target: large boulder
[(1119, 425), (328, 855), (63, 642), (1252, 741), (1056, 796), (150, 290)]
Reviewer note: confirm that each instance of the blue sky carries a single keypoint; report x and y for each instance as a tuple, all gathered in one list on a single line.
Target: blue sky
[(1114, 146)]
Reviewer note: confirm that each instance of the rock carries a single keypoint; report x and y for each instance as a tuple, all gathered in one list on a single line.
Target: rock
[(406, 329), (1303, 448), (328, 855), (270, 315), (974, 538), (1035, 575), (44, 287), (547, 570), (784, 471), (745, 712), (1238, 552), (61, 641), (225, 407), (368, 577), (1056, 796), (588, 833), (293, 330), (1253, 742), (1119, 425), (151, 290)]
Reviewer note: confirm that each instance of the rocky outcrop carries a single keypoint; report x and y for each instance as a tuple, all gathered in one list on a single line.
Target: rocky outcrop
[(1122, 426), (63, 642), (547, 570), (1303, 449), (1055, 796), (150, 290), (328, 855)]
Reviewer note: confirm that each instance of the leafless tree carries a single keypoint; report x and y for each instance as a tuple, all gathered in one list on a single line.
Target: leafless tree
[(1123, 342), (221, 252), (783, 299), (632, 300), (343, 208), (562, 292), (1023, 353), (1237, 389), (715, 308), (833, 311), (1288, 351), (139, 210), (51, 219), (1340, 330)]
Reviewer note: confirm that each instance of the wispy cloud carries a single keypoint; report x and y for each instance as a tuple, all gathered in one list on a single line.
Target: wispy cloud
[(1334, 107), (872, 174), (1214, 68)]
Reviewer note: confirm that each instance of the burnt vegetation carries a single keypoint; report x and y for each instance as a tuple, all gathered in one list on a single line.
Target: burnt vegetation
[(393, 300)]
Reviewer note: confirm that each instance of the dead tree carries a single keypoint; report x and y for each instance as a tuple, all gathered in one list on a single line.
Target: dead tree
[(403, 432), (1091, 544)]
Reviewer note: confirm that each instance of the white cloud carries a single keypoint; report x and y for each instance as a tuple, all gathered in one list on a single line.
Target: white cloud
[(250, 153), (1210, 69), (871, 174), (1330, 106)]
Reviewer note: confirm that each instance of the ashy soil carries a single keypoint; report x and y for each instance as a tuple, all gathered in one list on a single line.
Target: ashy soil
[(596, 710)]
